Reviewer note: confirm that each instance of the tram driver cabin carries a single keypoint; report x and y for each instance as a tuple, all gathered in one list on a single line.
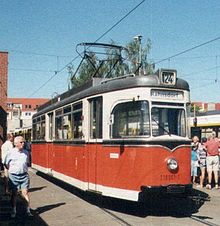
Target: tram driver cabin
[(120, 137)]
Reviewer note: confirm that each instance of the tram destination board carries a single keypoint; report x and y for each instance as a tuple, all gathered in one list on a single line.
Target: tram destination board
[(168, 77)]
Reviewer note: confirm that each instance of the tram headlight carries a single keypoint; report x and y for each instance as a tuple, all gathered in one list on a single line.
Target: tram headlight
[(172, 164)]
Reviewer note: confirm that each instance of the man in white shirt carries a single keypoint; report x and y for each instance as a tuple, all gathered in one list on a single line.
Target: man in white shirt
[(17, 161), (6, 147)]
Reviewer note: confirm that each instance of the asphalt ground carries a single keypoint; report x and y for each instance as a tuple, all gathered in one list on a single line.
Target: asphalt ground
[(55, 203)]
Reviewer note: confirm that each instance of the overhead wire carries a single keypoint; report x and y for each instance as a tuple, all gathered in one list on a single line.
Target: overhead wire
[(203, 86), (31, 70), (113, 26), (198, 72), (188, 50), (34, 53), (157, 62)]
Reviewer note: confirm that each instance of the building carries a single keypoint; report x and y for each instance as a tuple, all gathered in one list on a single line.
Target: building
[(203, 107), (20, 112), (3, 95)]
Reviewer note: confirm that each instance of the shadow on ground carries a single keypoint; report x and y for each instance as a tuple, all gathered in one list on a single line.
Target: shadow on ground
[(36, 189), (151, 205), (21, 218)]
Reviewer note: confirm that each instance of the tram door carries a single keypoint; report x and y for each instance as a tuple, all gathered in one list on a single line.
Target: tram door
[(95, 136), (50, 136)]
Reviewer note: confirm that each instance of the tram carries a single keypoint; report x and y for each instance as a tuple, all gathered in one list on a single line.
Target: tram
[(120, 137), (204, 123), (25, 132)]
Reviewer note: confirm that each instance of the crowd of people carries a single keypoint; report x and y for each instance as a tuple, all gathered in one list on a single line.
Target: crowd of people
[(205, 161), (16, 159)]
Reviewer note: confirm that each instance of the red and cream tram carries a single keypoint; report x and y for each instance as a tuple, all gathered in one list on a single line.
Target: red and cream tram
[(119, 137)]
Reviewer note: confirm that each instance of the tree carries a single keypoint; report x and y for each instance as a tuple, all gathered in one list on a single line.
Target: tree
[(86, 70), (134, 55), (195, 108), (113, 65)]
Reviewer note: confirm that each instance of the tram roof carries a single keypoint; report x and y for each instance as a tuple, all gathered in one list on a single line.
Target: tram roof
[(102, 85)]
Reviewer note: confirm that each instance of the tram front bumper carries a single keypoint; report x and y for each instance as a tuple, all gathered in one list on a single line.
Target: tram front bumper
[(169, 189)]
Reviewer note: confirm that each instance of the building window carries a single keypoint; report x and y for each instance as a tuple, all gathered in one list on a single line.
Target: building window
[(15, 114)]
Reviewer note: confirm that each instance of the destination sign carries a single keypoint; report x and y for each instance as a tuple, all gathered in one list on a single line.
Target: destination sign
[(167, 77), (166, 94)]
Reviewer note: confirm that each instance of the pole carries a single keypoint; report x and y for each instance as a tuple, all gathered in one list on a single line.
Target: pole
[(138, 38), (140, 55)]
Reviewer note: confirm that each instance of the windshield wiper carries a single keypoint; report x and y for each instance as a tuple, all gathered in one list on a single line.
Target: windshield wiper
[(160, 126)]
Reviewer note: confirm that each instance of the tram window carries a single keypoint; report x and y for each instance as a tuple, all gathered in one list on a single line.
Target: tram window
[(67, 110), (58, 126), (63, 124), (96, 118), (39, 128), (77, 121), (50, 126), (34, 130), (67, 131), (131, 119), (168, 121), (42, 128)]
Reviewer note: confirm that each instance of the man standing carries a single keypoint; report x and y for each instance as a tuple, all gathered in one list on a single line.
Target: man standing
[(212, 160), (6, 147), (17, 161)]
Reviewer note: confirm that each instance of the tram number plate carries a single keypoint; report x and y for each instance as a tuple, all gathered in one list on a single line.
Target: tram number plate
[(168, 77)]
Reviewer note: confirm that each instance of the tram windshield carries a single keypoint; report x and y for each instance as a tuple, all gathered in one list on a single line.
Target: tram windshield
[(132, 119), (168, 121)]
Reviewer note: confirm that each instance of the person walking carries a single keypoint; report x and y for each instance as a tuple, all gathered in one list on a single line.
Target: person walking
[(17, 162), (212, 160), (6, 147), (202, 160), (194, 158)]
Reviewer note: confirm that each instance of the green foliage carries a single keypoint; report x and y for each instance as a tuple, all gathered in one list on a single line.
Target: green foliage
[(196, 107), (85, 71), (134, 55), (114, 61)]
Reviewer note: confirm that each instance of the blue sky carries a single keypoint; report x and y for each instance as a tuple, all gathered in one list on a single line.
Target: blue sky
[(41, 37)]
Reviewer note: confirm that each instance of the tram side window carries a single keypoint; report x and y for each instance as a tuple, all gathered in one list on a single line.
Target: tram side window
[(96, 118), (67, 129), (58, 125), (34, 129), (77, 121), (50, 115), (42, 128), (63, 124), (131, 119), (39, 128), (168, 121)]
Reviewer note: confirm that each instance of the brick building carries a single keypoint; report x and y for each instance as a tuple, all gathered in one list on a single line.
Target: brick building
[(3, 95)]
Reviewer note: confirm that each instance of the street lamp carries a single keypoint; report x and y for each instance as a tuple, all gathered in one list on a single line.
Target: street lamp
[(138, 39)]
